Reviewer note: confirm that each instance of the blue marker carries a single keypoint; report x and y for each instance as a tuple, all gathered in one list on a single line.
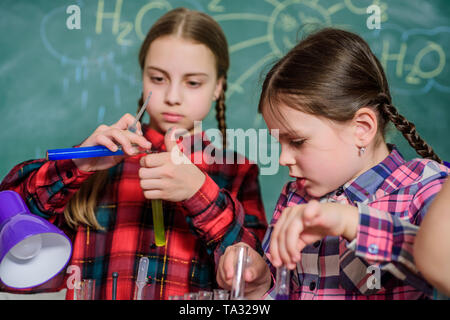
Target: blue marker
[(82, 152), (86, 152)]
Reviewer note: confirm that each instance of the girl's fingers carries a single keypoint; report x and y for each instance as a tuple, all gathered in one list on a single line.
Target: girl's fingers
[(228, 265), (284, 247), (124, 122), (107, 142), (121, 138), (293, 232), (273, 247), (220, 272), (134, 138), (153, 194), (150, 173), (155, 160), (311, 212), (152, 184), (279, 253), (140, 140), (127, 139), (282, 250), (255, 268), (101, 128)]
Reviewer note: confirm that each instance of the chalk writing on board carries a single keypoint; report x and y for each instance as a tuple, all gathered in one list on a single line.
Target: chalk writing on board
[(87, 62), (283, 24), (415, 58)]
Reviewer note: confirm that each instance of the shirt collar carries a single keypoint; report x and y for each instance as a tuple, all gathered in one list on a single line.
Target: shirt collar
[(365, 185)]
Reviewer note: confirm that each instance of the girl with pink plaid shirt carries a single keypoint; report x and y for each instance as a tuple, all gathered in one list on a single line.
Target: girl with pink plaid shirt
[(346, 226)]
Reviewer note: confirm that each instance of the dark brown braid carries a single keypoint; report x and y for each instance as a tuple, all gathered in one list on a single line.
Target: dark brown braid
[(407, 128), (220, 113)]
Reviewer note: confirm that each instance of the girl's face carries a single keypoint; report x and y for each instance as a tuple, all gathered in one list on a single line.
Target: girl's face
[(182, 77), (319, 153)]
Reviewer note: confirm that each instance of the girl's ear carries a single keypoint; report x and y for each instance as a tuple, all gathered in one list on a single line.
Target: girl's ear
[(218, 89), (365, 123)]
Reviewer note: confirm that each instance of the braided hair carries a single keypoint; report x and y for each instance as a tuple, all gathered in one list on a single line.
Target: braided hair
[(220, 113), (407, 128)]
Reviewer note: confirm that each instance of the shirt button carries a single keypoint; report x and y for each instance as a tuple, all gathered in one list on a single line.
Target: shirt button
[(316, 244), (69, 174), (340, 191), (373, 249), (312, 286)]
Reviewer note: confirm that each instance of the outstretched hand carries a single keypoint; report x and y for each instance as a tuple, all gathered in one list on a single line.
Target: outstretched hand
[(304, 224)]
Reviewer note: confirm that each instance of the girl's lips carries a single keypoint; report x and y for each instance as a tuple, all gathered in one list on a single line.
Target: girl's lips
[(172, 117)]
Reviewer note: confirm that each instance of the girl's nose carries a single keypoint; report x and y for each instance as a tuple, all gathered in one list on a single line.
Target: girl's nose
[(286, 157), (173, 95)]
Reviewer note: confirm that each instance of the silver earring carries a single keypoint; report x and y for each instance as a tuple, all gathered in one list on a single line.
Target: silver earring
[(361, 151)]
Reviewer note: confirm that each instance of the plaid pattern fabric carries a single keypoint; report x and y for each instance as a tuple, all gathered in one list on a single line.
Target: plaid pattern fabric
[(227, 209), (392, 199)]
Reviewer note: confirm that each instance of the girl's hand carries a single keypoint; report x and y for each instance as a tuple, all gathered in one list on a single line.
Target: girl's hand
[(257, 274), (170, 175), (303, 224), (110, 136)]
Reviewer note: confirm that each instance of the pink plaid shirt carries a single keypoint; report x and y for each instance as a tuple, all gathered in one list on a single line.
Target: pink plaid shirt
[(392, 199)]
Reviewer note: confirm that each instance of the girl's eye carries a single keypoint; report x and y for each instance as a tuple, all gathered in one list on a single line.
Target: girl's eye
[(297, 143), (194, 84), (157, 79)]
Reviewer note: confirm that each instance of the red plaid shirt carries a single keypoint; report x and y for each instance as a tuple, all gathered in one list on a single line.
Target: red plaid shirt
[(227, 209)]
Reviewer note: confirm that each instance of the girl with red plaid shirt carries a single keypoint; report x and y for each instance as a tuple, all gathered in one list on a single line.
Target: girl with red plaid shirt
[(104, 204), (346, 225)]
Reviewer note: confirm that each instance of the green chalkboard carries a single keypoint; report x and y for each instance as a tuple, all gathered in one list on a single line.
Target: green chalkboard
[(58, 84)]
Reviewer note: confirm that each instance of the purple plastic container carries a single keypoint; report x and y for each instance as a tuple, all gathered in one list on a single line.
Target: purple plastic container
[(21, 231)]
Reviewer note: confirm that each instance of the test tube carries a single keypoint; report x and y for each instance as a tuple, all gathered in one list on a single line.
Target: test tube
[(237, 289), (158, 222), (220, 294), (191, 296), (141, 280), (282, 283), (86, 290), (205, 295)]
